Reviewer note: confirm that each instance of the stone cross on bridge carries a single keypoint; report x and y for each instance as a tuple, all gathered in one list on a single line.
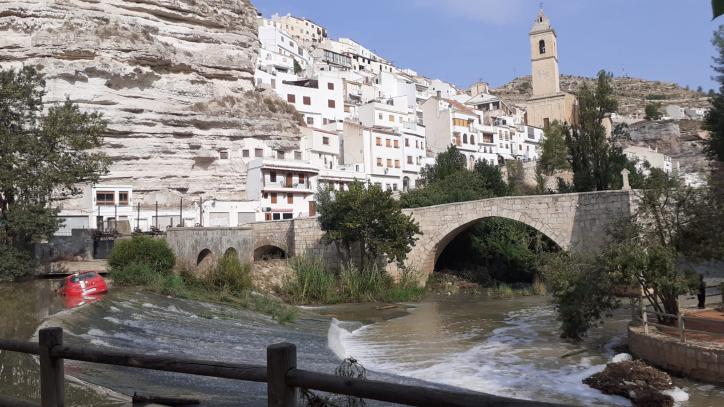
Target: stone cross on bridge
[(578, 222)]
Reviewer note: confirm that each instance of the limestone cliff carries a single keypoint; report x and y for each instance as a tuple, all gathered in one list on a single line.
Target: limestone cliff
[(174, 78)]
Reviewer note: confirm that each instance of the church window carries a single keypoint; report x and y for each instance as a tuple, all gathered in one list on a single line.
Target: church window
[(542, 46)]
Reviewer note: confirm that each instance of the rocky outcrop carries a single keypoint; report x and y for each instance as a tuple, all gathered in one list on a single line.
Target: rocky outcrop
[(174, 79), (635, 380), (632, 94), (682, 140)]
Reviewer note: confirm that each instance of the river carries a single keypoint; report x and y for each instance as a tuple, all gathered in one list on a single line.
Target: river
[(505, 347)]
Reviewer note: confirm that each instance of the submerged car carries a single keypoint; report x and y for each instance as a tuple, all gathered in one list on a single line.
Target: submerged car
[(81, 284)]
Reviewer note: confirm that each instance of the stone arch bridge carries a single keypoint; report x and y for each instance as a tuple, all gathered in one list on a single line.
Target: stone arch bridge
[(577, 222)]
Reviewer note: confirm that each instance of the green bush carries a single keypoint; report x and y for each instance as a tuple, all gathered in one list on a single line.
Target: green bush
[(311, 282), (135, 274), (230, 274), (154, 253), (13, 263)]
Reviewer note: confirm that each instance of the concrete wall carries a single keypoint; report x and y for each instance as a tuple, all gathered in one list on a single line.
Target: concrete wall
[(78, 245), (692, 360)]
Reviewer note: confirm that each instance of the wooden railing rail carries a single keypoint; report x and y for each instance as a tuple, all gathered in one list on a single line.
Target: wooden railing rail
[(281, 374), (680, 323)]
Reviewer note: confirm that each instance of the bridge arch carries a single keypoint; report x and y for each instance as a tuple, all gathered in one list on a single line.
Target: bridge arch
[(269, 252), (205, 261), (446, 235)]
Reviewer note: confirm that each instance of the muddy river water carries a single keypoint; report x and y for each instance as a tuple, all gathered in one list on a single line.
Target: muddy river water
[(505, 347)]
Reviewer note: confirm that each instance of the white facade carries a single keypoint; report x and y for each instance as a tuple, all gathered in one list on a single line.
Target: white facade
[(645, 154), (301, 29), (319, 100), (284, 188)]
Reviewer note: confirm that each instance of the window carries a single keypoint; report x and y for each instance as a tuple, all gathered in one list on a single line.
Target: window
[(379, 162), (280, 155), (542, 47), (290, 198), (301, 178), (291, 98), (258, 152), (276, 216), (409, 159), (389, 163), (123, 198), (105, 198), (460, 122), (378, 141), (331, 104), (397, 163), (287, 215), (297, 155), (307, 100), (417, 143), (273, 197), (379, 116), (388, 143), (394, 187), (520, 147), (397, 144), (310, 120), (273, 176), (472, 139), (546, 123), (391, 118), (245, 153), (223, 155), (330, 86), (407, 142), (325, 141), (465, 138)]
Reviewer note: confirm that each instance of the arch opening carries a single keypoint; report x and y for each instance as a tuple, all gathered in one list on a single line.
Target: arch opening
[(542, 47), (205, 261), (269, 252), (231, 252), (492, 250)]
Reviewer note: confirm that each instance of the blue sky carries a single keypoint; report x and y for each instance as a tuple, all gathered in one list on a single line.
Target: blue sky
[(462, 41)]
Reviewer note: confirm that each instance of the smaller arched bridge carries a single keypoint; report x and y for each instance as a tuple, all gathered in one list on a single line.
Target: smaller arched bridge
[(578, 222)]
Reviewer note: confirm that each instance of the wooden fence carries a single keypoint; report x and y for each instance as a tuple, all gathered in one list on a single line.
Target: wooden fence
[(281, 374)]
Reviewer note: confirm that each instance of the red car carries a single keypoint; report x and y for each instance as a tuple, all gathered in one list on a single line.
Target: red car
[(82, 284)]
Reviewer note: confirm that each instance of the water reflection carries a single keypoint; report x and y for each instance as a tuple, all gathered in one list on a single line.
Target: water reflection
[(23, 307)]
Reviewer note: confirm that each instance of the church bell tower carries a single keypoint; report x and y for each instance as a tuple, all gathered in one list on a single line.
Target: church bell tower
[(544, 57)]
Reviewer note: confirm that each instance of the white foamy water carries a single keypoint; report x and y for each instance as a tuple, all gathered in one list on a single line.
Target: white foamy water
[(508, 353)]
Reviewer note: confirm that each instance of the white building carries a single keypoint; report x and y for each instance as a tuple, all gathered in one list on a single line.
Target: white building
[(647, 155), (302, 29), (283, 188), (320, 100)]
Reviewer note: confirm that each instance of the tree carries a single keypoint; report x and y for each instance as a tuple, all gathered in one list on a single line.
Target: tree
[(588, 145), (43, 157), (297, 68), (714, 120), (651, 112), (554, 156), (370, 217), (449, 180), (717, 7), (674, 224), (700, 90)]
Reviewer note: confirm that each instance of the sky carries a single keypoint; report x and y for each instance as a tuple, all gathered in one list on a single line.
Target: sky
[(463, 41)]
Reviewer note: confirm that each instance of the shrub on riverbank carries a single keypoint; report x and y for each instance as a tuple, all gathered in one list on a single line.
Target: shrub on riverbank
[(154, 253), (314, 283), (229, 282)]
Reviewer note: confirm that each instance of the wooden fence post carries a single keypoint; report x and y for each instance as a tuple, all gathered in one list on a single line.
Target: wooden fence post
[(682, 332), (52, 386), (280, 359)]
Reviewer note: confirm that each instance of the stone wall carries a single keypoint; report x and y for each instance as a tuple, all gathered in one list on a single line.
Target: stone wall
[(189, 243), (694, 360), (78, 246)]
